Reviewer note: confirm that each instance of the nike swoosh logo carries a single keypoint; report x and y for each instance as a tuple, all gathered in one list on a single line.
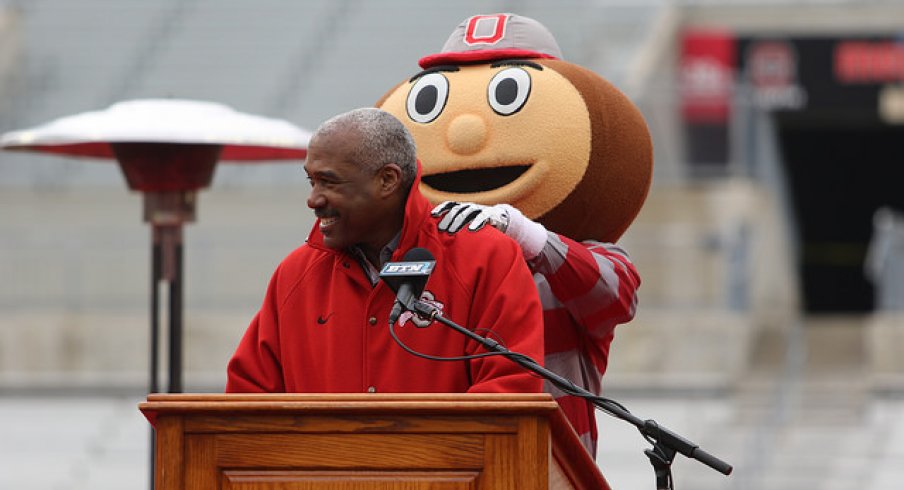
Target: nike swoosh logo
[(321, 320)]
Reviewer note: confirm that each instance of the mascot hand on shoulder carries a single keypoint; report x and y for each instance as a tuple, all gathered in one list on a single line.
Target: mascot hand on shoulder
[(509, 134)]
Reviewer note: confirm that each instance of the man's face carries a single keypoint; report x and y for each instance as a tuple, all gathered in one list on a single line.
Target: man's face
[(344, 196)]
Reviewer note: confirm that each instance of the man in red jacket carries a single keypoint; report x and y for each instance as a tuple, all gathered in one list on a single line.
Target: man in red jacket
[(323, 326)]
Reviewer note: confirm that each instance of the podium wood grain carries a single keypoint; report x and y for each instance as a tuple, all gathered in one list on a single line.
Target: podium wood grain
[(365, 441)]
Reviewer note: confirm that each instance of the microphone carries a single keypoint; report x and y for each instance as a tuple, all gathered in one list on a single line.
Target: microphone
[(407, 279)]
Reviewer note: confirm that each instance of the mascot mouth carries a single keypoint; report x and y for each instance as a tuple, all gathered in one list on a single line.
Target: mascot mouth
[(475, 180)]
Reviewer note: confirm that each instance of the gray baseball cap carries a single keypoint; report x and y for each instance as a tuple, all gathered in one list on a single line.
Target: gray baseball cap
[(495, 36)]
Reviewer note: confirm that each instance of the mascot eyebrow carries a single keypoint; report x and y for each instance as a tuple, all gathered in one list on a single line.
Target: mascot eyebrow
[(495, 64), (434, 69), (516, 62)]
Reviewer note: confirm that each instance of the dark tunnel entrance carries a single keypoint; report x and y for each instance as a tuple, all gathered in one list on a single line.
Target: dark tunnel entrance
[(840, 171)]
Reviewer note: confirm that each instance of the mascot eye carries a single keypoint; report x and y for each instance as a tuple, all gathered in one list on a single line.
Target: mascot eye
[(508, 91), (427, 97)]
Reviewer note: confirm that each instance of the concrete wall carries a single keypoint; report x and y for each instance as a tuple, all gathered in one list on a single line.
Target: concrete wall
[(75, 294), (10, 50), (717, 274)]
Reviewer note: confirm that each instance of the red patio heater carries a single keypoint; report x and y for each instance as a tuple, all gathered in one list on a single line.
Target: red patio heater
[(167, 150)]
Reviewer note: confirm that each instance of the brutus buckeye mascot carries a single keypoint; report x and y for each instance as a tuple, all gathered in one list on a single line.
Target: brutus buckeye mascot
[(556, 157)]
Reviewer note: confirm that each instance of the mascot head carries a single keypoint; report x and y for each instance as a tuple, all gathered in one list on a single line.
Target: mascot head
[(498, 117)]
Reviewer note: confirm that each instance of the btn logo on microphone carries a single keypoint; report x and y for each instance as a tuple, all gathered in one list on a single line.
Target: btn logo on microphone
[(423, 268)]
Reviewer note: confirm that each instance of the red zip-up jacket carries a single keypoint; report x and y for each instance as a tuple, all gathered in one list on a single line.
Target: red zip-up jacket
[(323, 328)]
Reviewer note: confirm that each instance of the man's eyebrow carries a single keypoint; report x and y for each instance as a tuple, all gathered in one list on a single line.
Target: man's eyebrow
[(516, 62), (434, 69), (320, 174)]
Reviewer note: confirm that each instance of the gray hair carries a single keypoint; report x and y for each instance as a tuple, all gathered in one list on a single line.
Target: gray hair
[(384, 140)]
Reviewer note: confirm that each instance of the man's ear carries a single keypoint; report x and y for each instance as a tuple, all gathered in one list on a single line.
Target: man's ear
[(390, 176)]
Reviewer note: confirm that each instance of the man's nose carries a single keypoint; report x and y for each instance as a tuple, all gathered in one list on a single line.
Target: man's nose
[(316, 199)]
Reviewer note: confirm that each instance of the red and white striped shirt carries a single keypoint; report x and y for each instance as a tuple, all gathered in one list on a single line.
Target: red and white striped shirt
[(586, 288)]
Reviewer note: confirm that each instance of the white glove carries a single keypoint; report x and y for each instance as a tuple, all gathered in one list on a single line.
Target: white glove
[(530, 235), (457, 215)]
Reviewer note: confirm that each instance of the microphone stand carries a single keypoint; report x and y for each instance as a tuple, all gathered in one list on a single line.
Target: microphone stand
[(666, 443)]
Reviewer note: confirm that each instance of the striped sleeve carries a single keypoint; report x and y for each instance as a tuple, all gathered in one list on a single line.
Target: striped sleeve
[(586, 289), (595, 283)]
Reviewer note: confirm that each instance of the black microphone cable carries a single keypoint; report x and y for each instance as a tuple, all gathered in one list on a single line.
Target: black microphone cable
[(565, 385), (666, 444), (404, 346)]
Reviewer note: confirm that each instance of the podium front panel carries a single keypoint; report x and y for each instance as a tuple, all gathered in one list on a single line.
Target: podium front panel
[(474, 443)]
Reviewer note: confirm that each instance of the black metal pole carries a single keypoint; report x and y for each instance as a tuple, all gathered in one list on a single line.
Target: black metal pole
[(153, 354), (175, 314), (166, 211)]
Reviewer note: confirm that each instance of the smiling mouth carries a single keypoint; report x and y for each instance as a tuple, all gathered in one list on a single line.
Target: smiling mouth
[(475, 180)]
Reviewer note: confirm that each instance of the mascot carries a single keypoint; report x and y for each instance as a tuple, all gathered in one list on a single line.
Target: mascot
[(556, 157)]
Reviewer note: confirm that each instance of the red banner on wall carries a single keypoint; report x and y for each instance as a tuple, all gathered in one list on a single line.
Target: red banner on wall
[(706, 75), (869, 61)]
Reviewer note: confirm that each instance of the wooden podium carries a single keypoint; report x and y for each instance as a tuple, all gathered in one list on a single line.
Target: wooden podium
[(366, 441)]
